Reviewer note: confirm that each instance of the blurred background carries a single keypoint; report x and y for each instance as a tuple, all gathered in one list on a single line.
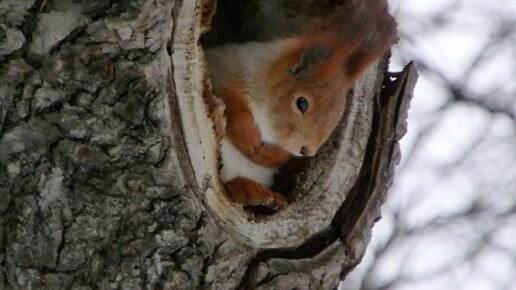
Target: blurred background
[(450, 219)]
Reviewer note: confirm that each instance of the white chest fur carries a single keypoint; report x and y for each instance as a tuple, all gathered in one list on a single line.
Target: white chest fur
[(235, 164)]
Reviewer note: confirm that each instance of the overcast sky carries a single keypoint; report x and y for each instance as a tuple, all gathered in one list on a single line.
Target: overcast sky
[(453, 203)]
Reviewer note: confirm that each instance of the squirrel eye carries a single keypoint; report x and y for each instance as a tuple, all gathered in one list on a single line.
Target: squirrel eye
[(302, 104)]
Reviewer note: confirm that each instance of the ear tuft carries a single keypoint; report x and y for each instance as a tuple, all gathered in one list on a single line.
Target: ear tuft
[(310, 58)]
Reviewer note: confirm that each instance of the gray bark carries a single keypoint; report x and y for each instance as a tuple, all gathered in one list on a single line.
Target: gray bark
[(108, 169)]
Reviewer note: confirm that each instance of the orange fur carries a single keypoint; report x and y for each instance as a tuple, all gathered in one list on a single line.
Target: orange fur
[(260, 81), (245, 191), (242, 131)]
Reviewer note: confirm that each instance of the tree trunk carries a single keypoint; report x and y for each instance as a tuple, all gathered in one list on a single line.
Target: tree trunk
[(108, 160)]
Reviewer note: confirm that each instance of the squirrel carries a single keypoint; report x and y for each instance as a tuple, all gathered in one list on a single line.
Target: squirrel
[(283, 98)]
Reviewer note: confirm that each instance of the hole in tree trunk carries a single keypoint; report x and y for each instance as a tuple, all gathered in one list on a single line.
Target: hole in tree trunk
[(316, 186), (239, 22)]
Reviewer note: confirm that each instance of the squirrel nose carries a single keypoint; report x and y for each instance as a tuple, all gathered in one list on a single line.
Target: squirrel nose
[(304, 151)]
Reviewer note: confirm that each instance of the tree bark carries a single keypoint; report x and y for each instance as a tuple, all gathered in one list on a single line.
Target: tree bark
[(108, 160)]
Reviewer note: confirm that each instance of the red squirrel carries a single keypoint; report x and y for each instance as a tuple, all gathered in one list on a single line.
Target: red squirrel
[(283, 98)]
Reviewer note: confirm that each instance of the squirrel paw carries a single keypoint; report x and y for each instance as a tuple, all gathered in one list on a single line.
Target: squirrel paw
[(247, 192)]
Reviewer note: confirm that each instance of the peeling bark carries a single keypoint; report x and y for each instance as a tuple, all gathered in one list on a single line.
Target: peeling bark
[(106, 181)]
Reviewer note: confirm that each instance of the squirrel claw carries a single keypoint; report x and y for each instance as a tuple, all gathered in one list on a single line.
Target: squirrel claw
[(272, 200), (247, 192)]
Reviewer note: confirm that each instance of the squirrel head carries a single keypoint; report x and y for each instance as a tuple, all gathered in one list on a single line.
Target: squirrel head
[(305, 88), (306, 96)]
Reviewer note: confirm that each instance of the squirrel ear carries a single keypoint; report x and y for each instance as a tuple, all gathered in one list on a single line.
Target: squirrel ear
[(310, 58)]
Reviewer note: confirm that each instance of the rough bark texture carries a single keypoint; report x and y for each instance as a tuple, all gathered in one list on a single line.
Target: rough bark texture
[(101, 183)]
